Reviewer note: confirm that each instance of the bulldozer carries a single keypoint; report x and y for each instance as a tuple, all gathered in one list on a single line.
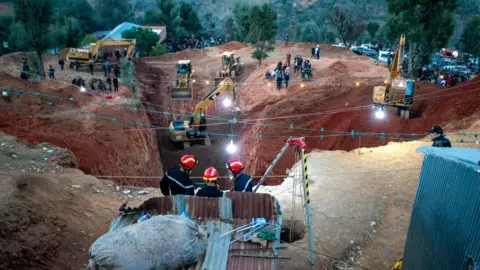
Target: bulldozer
[(397, 92), (231, 67), (196, 129), (97, 50), (182, 86)]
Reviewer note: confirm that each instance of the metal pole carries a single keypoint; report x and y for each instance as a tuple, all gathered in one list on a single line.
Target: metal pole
[(277, 158), (307, 205)]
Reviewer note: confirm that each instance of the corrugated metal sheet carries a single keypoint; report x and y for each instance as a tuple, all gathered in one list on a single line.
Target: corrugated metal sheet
[(219, 215), (444, 230), (116, 33)]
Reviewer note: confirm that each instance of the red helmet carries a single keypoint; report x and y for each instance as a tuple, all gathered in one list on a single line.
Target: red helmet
[(188, 162), (210, 175), (235, 165)]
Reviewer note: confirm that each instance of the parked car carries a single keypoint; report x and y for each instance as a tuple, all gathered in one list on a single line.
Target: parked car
[(384, 55), (339, 45), (370, 53), (357, 50)]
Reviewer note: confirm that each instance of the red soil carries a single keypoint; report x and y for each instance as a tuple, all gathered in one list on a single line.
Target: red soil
[(102, 147)]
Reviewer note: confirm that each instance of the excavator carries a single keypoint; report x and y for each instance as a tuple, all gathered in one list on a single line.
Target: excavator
[(397, 92), (196, 129), (182, 86), (96, 50), (231, 67)]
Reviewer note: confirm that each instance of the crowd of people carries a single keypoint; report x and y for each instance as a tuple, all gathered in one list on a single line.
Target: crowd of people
[(447, 78), (178, 44), (281, 73), (177, 180)]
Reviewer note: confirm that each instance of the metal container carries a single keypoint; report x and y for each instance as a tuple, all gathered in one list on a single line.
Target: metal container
[(410, 88), (444, 230)]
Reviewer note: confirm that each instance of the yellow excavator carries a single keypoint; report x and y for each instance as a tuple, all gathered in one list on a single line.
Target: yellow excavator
[(397, 92), (231, 67), (182, 86), (196, 129), (96, 51)]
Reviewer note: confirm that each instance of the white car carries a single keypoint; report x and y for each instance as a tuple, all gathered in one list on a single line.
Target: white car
[(368, 46), (339, 45), (383, 56)]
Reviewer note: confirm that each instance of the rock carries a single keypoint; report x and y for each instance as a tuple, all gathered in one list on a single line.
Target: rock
[(126, 191), (143, 192), (76, 186), (15, 156)]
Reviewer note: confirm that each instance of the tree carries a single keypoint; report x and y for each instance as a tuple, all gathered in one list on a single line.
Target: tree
[(146, 39), (159, 49), (348, 26), (112, 12), (372, 29), (262, 31), (35, 17), (88, 39), (180, 19), (310, 32), (470, 39), (70, 8), (427, 24), (229, 29), (5, 24), (241, 16)]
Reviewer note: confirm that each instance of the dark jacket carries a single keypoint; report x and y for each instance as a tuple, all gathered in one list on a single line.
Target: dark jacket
[(441, 142), (176, 182), (61, 62), (115, 81), (243, 183), (210, 192)]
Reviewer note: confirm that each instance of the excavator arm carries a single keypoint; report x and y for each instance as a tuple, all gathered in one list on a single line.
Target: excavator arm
[(397, 60), (226, 86), (122, 42)]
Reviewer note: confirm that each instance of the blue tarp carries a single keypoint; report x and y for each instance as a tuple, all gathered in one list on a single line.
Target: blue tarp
[(117, 32)]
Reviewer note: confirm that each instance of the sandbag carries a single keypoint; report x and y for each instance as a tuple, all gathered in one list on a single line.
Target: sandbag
[(161, 242)]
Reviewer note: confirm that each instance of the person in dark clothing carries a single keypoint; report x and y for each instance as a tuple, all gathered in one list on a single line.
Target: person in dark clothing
[(438, 138), (116, 70), (92, 85), (177, 180), (90, 66), (125, 52), (268, 75), (115, 84), (74, 81), (313, 52), (100, 85), (211, 189), (242, 181), (61, 63), (278, 76), (109, 82), (51, 72), (77, 66), (118, 55), (286, 76)]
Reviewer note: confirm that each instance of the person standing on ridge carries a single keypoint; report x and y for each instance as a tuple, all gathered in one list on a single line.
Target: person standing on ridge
[(317, 52), (115, 84), (438, 138), (286, 75), (51, 72), (177, 180), (242, 181), (61, 63), (211, 189)]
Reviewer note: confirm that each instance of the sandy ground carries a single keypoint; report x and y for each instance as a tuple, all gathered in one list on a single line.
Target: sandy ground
[(361, 203)]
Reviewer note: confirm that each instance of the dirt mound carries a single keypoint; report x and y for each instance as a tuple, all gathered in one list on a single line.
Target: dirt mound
[(339, 67), (231, 46), (336, 112), (102, 144)]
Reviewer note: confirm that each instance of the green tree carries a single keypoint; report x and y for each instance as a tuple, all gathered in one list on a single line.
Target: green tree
[(310, 32), (159, 49), (35, 17), (88, 39), (241, 16), (5, 24), (427, 24), (146, 39), (372, 29), (112, 12), (348, 26), (81, 10), (229, 29), (180, 18), (262, 31), (73, 32), (470, 39)]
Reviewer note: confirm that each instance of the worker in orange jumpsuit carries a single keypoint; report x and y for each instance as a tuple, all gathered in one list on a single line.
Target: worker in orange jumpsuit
[(210, 177), (177, 180), (242, 181)]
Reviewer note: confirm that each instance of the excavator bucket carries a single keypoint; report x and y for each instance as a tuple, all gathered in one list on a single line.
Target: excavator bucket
[(181, 93)]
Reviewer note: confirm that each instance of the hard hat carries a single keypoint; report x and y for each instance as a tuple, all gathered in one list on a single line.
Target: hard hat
[(235, 165), (210, 175), (188, 162)]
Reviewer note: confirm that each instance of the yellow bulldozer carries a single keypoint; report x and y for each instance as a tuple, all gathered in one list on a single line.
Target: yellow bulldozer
[(231, 67), (196, 129), (182, 86), (397, 92), (97, 50)]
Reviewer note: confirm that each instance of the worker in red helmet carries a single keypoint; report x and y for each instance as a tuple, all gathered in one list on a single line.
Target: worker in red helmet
[(242, 181), (177, 180), (210, 177)]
